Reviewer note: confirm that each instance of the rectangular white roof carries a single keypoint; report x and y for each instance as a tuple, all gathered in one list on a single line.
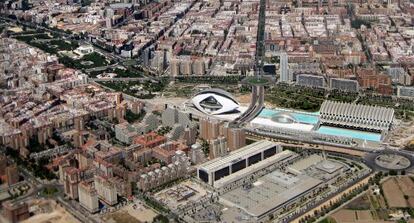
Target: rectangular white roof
[(237, 155), (287, 154), (269, 193)]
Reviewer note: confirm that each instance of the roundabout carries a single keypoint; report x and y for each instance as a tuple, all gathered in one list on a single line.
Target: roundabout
[(392, 161), (388, 160)]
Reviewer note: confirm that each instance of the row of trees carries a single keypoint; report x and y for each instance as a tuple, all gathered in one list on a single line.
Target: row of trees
[(333, 205), (233, 79)]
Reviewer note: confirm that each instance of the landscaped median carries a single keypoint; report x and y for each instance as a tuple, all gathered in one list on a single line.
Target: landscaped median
[(257, 80)]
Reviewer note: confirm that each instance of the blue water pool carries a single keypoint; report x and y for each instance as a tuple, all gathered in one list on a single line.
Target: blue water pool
[(349, 133), (309, 118)]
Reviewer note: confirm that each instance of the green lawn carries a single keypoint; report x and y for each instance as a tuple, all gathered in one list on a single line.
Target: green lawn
[(131, 88), (257, 80), (125, 73), (295, 97), (31, 37), (49, 191), (64, 44), (54, 46), (234, 79), (97, 60)]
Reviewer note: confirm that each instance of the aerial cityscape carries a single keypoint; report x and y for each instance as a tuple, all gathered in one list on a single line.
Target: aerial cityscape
[(133, 111)]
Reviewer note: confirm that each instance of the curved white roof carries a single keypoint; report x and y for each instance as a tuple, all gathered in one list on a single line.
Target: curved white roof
[(347, 114), (284, 117), (226, 102)]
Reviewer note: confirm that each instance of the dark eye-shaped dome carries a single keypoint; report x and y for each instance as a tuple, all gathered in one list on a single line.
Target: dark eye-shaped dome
[(284, 117), (215, 101)]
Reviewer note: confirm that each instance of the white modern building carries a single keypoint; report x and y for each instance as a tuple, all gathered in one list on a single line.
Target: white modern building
[(213, 170), (106, 190), (215, 101), (172, 115), (178, 168), (344, 84), (285, 75), (356, 116), (83, 50), (197, 154), (88, 197), (405, 92), (310, 80), (282, 120)]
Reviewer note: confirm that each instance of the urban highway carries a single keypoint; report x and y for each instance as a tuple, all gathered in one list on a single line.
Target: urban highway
[(257, 100)]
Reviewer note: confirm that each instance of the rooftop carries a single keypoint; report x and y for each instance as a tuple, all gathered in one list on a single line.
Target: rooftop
[(270, 192), (237, 155)]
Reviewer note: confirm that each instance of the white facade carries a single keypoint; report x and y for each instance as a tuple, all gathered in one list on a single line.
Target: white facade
[(197, 155), (356, 116), (172, 115), (403, 91), (106, 190), (240, 159), (83, 50), (178, 168), (215, 102), (285, 75), (218, 147), (88, 197)]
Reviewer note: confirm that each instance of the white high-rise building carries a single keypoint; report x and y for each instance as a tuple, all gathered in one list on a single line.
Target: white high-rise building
[(197, 155), (169, 116), (172, 115), (285, 75), (198, 67), (88, 197), (185, 66), (174, 67), (106, 190), (178, 168), (146, 56), (108, 22), (218, 147)]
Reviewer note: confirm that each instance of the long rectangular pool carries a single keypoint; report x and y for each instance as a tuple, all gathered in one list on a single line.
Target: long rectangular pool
[(308, 118), (350, 133), (312, 118)]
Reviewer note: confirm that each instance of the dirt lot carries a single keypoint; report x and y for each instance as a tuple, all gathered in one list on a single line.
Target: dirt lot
[(244, 99), (57, 215), (364, 215), (121, 217), (393, 194), (372, 208), (361, 203), (135, 212), (345, 216), (355, 216), (397, 189), (407, 185)]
